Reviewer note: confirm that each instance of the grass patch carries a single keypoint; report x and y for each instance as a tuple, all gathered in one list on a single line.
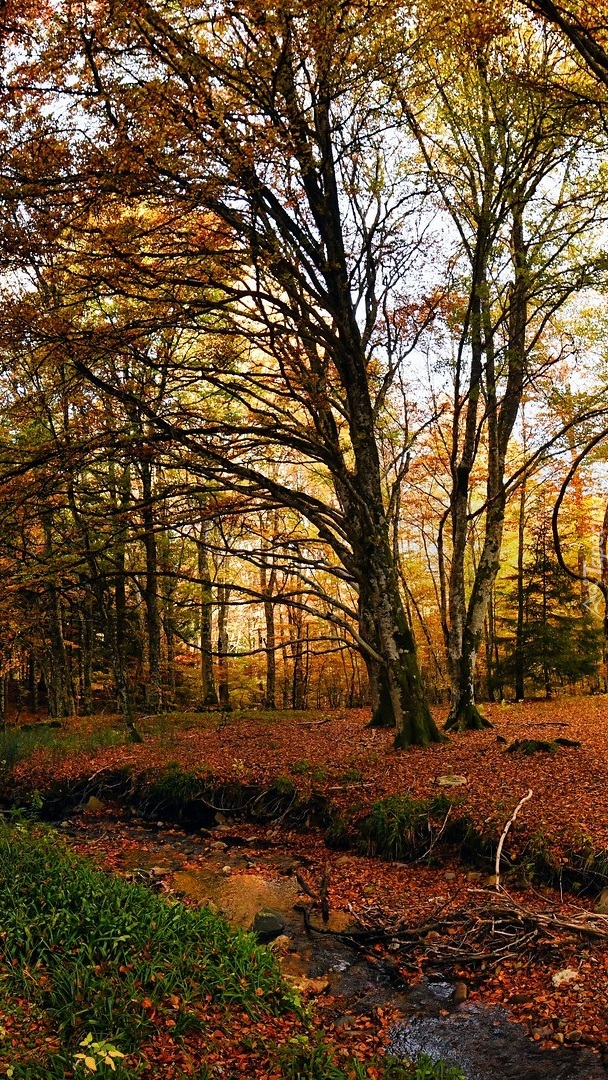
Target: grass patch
[(306, 768), (20, 743), (304, 1060), (401, 827), (91, 955), (91, 967)]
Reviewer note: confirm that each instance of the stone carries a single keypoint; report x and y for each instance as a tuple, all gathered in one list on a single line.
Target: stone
[(451, 780), (218, 845), (565, 976), (558, 1037), (542, 1032), (573, 1036), (267, 925), (343, 1022), (287, 865), (94, 804), (601, 907), (227, 870), (281, 944), (308, 986), (461, 993)]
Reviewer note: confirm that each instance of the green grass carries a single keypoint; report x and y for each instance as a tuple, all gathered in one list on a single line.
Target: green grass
[(302, 1059), (92, 954), (401, 827), (17, 744), (175, 787), (98, 963), (306, 768)]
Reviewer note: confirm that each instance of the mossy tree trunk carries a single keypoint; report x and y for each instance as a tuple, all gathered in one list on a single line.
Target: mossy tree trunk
[(400, 699)]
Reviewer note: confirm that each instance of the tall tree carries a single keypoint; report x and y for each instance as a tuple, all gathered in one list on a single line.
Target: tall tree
[(267, 128)]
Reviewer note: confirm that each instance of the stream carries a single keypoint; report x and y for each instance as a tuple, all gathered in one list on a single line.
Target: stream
[(245, 878)]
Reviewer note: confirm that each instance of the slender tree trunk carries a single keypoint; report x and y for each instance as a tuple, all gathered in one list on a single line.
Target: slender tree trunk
[(520, 666), (208, 691), (603, 554), (33, 682), (223, 594), (86, 657), (108, 619), (59, 685), (267, 582), (464, 713), (150, 592)]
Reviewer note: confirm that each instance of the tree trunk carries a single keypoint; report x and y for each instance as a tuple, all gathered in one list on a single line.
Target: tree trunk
[(520, 667), (223, 593), (59, 684), (464, 713), (401, 701), (150, 592), (33, 682), (208, 691), (86, 657), (267, 582), (103, 600)]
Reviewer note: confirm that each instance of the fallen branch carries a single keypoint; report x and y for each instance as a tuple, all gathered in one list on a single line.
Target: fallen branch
[(504, 836)]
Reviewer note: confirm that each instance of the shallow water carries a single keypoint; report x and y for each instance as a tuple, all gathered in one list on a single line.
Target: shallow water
[(481, 1040)]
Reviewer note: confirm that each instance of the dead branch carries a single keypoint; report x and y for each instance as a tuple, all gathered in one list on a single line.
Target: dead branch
[(504, 836)]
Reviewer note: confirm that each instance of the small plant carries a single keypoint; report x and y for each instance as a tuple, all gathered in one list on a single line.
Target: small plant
[(337, 834), (351, 776), (306, 768), (98, 955), (97, 1053), (284, 785), (174, 788)]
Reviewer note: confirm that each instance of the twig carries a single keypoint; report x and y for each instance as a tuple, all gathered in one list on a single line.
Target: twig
[(435, 838), (504, 836)]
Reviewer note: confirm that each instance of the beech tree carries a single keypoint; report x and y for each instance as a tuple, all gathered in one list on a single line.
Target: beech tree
[(504, 154), (269, 121)]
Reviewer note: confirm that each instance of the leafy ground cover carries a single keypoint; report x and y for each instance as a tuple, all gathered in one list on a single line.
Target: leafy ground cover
[(101, 976), (335, 754), (563, 827)]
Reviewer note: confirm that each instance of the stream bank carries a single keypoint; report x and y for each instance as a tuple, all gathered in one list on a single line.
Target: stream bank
[(245, 872)]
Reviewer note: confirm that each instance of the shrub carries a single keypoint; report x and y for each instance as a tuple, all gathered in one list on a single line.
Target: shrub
[(400, 827)]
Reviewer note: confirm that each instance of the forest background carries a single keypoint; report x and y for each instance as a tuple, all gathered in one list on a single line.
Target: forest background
[(302, 358)]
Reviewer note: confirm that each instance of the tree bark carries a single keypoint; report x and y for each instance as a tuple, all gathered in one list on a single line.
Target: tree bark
[(209, 696), (464, 713), (267, 583), (59, 682), (150, 592), (520, 668), (223, 594)]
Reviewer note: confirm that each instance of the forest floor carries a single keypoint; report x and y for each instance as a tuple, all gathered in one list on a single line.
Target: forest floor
[(551, 978)]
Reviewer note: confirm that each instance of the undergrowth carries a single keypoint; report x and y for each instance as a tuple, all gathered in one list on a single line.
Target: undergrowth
[(19, 743), (302, 1060), (401, 827), (94, 955), (91, 965)]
